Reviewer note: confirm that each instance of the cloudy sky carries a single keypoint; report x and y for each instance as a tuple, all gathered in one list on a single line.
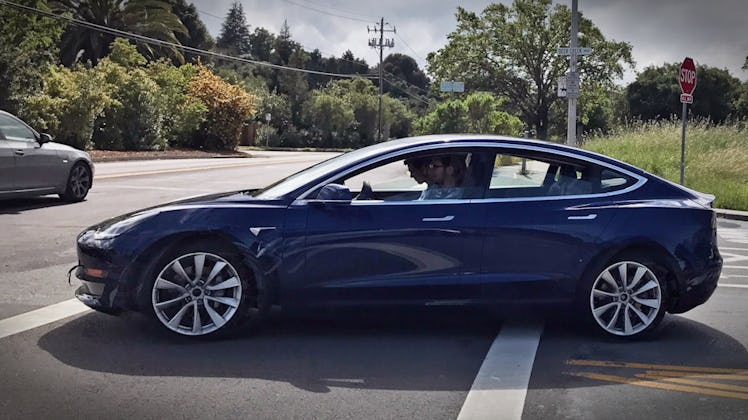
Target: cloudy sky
[(714, 33)]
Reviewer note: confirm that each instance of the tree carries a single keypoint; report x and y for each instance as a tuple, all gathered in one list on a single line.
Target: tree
[(655, 93), (235, 36), (261, 44), (151, 18), (28, 46), (477, 113), (511, 51), (197, 35), (404, 68)]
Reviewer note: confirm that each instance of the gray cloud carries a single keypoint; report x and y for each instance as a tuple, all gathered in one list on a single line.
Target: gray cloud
[(713, 33)]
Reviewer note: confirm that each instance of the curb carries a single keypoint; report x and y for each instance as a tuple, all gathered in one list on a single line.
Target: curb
[(731, 214)]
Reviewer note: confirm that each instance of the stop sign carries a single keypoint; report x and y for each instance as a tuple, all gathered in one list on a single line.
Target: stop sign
[(687, 76)]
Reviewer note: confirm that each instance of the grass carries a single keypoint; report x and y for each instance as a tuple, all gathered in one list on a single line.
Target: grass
[(716, 156)]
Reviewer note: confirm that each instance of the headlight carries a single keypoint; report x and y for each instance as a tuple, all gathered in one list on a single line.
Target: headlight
[(122, 226)]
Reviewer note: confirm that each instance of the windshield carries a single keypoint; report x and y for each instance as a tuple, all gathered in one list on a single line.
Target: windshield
[(292, 183)]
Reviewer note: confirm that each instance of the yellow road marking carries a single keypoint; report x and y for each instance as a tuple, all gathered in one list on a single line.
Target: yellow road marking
[(725, 377), (662, 386), (602, 363), (693, 382), (196, 168)]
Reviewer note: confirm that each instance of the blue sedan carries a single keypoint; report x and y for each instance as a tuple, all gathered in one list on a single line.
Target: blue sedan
[(436, 220)]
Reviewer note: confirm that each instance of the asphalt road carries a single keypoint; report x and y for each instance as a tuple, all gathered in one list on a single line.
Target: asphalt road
[(413, 364)]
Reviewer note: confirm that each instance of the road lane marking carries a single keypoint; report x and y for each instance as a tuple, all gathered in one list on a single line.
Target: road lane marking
[(739, 286), (694, 382), (736, 266), (500, 387), (197, 168), (694, 369), (42, 316), (660, 385), (722, 377)]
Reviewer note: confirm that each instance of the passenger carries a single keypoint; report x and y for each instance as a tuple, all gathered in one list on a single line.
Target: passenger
[(417, 168), (445, 175)]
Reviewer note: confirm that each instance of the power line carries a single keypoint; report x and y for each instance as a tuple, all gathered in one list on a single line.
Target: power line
[(339, 10), (326, 12), (148, 40), (409, 47)]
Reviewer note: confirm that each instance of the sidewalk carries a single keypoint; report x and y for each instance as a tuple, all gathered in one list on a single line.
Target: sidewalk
[(732, 214)]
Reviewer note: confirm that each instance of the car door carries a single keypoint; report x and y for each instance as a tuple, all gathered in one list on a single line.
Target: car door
[(390, 249), (542, 226), (36, 166), (7, 163)]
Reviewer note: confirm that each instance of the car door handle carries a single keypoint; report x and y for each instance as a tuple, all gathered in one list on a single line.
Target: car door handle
[(438, 219), (19, 152), (587, 217)]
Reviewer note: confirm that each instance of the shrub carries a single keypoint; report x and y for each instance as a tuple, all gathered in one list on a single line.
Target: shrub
[(229, 107), (69, 104)]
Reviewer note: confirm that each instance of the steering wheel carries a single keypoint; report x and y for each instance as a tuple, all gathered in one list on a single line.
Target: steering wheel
[(366, 192)]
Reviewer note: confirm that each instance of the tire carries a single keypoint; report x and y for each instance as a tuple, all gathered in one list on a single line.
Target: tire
[(223, 297), (78, 183), (627, 298)]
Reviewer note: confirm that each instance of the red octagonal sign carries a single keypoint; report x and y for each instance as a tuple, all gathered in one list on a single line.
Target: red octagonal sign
[(687, 76)]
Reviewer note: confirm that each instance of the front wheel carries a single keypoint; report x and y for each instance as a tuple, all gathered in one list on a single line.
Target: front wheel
[(203, 290), (627, 298), (78, 184)]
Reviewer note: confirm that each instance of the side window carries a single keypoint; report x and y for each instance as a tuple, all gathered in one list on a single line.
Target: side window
[(516, 176), (430, 175), (15, 130), (611, 180)]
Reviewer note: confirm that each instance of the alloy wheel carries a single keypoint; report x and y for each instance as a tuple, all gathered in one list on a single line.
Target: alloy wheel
[(626, 298), (196, 294), (80, 181)]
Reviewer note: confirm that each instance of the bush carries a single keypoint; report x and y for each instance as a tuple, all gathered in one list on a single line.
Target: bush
[(69, 104), (229, 107)]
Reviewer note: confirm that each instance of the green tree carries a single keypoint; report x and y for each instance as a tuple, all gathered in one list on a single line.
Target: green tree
[(511, 51), (69, 104), (28, 46), (235, 35), (261, 44), (405, 69), (477, 113), (197, 35), (329, 118), (655, 93), (151, 18)]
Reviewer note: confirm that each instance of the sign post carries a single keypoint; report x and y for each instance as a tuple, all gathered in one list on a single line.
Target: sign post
[(687, 80)]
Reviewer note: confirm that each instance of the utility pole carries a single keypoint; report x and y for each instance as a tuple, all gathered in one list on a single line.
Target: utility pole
[(571, 128), (381, 43)]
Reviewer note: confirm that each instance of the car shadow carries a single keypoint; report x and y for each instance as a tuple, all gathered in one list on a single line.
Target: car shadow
[(19, 205), (394, 350)]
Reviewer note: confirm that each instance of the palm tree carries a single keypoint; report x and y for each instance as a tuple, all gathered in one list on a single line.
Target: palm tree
[(151, 18)]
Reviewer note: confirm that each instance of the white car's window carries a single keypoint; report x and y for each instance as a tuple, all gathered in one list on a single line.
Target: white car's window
[(15, 130)]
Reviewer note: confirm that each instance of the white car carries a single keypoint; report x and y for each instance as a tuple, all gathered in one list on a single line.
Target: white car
[(32, 164)]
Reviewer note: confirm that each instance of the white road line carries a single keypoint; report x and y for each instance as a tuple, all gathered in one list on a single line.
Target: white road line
[(499, 389), (739, 286), (736, 266), (42, 316)]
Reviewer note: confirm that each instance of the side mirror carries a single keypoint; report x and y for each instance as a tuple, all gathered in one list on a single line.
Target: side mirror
[(334, 194), (44, 138)]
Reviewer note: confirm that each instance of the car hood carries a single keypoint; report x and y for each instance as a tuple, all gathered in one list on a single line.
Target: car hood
[(63, 147), (225, 199)]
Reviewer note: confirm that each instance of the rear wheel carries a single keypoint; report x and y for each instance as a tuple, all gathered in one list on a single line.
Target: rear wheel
[(203, 290), (628, 297), (79, 182)]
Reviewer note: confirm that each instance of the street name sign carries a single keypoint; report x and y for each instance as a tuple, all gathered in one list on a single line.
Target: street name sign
[(452, 86), (575, 51)]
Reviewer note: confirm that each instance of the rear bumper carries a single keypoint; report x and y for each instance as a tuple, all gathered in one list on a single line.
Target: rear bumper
[(700, 290)]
